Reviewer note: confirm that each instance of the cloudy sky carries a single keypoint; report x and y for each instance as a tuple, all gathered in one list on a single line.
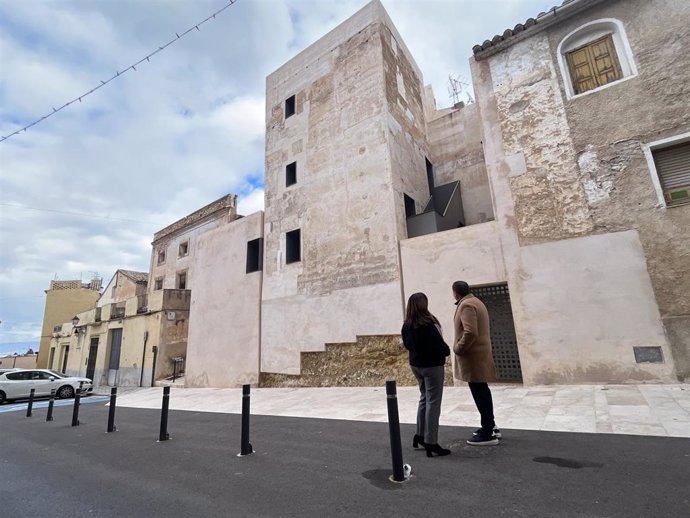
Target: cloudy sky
[(85, 190)]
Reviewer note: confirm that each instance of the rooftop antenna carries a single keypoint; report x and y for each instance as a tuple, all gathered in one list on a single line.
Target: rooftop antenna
[(457, 90)]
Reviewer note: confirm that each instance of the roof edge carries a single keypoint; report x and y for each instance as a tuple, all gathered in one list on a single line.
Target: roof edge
[(531, 27)]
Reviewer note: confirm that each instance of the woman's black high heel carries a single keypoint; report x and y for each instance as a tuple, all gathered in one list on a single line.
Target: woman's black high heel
[(435, 448), (418, 441)]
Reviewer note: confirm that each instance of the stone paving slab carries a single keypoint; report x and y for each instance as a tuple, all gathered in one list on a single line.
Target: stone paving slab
[(662, 410)]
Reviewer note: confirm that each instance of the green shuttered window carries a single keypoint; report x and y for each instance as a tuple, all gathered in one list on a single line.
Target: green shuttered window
[(673, 167)]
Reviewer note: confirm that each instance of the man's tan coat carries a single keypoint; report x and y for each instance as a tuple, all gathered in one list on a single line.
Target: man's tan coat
[(472, 345)]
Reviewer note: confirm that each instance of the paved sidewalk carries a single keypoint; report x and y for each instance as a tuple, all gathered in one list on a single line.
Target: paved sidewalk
[(661, 410)]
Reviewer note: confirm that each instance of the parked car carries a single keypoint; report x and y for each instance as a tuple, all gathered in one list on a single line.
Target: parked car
[(17, 384)]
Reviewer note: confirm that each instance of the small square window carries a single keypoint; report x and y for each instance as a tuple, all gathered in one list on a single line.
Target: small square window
[(183, 249), (182, 281), (290, 174), (293, 247), (161, 257), (255, 255), (158, 285), (290, 106)]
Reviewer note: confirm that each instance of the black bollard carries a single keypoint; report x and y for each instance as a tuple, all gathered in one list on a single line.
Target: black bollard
[(49, 416), (246, 447), (75, 411), (394, 429), (111, 411), (164, 435), (31, 403)]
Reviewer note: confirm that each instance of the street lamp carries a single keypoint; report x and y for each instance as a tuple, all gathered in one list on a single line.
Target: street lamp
[(75, 323)]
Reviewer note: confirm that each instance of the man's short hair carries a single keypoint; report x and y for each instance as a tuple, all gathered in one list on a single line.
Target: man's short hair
[(461, 288)]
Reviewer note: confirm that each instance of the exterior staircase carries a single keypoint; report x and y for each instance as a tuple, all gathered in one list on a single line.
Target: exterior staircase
[(368, 362)]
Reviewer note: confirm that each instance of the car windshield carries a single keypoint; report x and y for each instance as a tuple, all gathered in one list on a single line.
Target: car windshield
[(57, 374)]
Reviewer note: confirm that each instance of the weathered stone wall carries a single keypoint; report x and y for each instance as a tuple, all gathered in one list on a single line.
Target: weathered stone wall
[(367, 363), (347, 281), (457, 154), (609, 129), (407, 140), (549, 197), (552, 162)]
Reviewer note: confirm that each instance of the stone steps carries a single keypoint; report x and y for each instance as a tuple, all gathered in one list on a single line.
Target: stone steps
[(368, 362)]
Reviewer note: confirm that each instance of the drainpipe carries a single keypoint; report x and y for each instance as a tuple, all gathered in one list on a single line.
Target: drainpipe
[(143, 357)]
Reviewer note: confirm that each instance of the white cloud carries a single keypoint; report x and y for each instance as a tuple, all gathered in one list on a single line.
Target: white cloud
[(250, 203), (180, 132)]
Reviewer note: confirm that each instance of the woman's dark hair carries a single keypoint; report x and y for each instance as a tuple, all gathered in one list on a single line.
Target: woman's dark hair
[(417, 313)]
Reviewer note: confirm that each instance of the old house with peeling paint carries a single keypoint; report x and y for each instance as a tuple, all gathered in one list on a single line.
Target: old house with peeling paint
[(128, 338), (586, 129)]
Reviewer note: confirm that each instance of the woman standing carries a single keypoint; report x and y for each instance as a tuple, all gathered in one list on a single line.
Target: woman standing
[(421, 334)]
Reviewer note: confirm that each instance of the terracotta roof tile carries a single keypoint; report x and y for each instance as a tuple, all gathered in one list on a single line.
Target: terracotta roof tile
[(531, 25)]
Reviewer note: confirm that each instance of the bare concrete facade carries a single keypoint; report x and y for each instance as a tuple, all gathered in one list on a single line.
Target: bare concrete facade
[(224, 342)]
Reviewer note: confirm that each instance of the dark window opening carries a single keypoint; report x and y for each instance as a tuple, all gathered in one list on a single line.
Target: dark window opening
[(289, 106), (290, 174), (161, 257), (159, 284), (293, 246), (410, 209), (182, 281), (184, 249), (430, 176), (255, 255)]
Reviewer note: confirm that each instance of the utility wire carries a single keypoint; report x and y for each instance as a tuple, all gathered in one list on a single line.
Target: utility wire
[(146, 58), (77, 213)]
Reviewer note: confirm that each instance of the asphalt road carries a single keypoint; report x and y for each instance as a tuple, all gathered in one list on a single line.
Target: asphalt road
[(314, 467)]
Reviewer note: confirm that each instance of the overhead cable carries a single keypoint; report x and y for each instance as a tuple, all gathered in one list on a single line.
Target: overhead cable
[(146, 58)]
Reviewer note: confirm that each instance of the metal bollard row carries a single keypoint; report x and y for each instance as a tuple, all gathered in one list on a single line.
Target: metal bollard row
[(401, 472)]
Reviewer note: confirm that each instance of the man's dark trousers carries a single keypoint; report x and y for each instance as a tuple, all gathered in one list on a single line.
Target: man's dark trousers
[(482, 398)]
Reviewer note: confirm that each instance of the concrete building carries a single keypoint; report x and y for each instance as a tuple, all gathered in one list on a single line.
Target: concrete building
[(129, 338), (224, 321), (560, 196), (29, 360), (571, 221), (64, 299), (174, 248)]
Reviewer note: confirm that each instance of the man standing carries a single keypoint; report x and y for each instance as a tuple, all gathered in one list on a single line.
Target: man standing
[(473, 360)]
